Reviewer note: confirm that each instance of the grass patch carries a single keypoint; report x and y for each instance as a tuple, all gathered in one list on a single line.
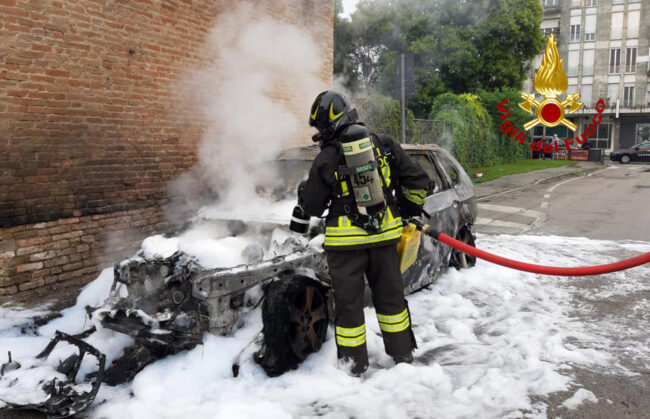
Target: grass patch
[(523, 166)]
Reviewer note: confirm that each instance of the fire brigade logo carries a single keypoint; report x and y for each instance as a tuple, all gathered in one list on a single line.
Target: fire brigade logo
[(550, 81)]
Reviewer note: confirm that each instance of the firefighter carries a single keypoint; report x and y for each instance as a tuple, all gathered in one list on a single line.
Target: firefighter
[(362, 228)]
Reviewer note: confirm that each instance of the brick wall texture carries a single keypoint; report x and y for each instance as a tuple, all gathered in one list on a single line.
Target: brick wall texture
[(89, 131)]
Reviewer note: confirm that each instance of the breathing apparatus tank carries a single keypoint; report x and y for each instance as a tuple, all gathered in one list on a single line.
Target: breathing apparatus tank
[(362, 170)]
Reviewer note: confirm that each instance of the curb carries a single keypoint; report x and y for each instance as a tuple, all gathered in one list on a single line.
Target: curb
[(581, 172)]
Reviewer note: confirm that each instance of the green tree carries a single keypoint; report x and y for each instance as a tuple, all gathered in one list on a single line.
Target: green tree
[(458, 46), (468, 129), (506, 148)]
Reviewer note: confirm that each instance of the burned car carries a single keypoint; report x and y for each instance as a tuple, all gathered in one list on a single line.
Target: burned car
[(166, 299)]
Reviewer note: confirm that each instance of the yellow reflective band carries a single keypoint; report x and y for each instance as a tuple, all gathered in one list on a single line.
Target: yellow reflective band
[(383, 318), (346, 231), (394, 328), (345, 234), (313, 116), (396, 233), (341, 241), (343, 221), (350, 331), (416, 201), (417, 197), (344, 188), (332, 115), (351, 342), (418, 192), (385, 171)]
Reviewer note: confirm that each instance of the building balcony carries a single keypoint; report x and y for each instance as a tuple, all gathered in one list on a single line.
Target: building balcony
[(611, 110)]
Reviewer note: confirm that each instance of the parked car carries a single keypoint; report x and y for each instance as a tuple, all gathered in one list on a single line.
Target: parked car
[(638, 152), (171, 301)]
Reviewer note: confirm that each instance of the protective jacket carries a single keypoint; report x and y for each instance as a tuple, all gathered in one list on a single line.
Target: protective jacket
[(327, 188)]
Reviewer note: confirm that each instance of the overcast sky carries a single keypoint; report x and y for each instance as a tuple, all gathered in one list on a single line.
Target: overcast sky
[(349, 6)]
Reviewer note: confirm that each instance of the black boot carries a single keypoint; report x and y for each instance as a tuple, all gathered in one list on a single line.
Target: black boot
[(356, 368), (403, 359)]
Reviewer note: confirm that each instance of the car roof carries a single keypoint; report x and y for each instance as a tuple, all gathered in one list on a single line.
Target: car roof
[(310, 152)]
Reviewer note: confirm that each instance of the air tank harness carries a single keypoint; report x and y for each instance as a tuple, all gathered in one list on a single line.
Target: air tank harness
[(529, 267)]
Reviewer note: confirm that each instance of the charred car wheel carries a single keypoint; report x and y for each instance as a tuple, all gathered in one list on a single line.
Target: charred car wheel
[(295, 319), (462, 260)]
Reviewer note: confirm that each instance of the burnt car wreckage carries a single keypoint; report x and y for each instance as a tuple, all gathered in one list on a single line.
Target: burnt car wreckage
[(170, 302)]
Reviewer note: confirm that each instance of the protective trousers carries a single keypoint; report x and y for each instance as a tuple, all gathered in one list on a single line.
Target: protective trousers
[(380, 265)]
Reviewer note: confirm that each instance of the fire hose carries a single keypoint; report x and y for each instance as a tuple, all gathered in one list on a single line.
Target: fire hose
[(530, 267)]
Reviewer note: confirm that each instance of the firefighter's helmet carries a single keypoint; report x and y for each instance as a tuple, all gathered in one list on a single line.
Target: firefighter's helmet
[(329, 111)]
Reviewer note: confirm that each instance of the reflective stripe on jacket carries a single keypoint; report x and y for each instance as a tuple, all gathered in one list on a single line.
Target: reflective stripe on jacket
[(344, 234)]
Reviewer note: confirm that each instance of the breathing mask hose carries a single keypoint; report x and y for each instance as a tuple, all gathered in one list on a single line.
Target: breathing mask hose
[(529, 267)]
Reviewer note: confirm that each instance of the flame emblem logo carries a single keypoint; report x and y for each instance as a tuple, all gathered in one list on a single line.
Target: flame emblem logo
[(550, 81)]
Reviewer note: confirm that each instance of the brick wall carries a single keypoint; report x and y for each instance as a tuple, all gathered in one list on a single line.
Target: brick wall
[(89, 131)]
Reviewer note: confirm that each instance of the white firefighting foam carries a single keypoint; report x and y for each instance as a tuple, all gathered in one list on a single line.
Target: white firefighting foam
[(489, 338)]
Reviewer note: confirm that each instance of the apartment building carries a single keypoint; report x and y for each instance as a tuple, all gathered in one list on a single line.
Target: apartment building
[(605, 45)]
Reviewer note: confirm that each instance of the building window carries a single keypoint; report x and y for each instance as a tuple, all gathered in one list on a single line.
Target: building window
[(612, 93), (549, 3), (574, 61), (548, 31), (647, 99), (592, 3), (601, 138), (588, 62), (630, 60), (633, 23), (642, 133), (618, 1), (617, 26), (614, 60), (590, 28), (575, 33), (628, 97), (585, 95)]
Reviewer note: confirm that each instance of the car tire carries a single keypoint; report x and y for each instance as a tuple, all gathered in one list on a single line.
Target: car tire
[(462, 260), (625, 159), (295, 320)]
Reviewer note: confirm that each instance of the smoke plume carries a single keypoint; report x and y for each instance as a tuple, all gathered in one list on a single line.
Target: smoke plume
[(254, 94)]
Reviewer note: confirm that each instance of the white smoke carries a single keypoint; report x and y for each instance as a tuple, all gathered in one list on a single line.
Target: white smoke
[(254, 94)]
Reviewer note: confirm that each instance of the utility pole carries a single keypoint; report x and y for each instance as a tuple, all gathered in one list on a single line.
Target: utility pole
[(403, 98), (403, 87)]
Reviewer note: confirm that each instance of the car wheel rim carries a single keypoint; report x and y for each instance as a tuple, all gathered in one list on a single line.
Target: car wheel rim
[(465, 260), (308, 319), (625, 159)]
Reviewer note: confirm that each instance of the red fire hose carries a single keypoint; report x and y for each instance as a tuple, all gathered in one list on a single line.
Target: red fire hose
[(529, 267)]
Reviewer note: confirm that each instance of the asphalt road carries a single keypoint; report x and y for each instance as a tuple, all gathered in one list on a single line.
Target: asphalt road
[(613, 204), (610, 203)]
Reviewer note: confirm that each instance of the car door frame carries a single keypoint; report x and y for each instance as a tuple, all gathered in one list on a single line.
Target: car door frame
[(643, 154), (433, 256), (454, 203)]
